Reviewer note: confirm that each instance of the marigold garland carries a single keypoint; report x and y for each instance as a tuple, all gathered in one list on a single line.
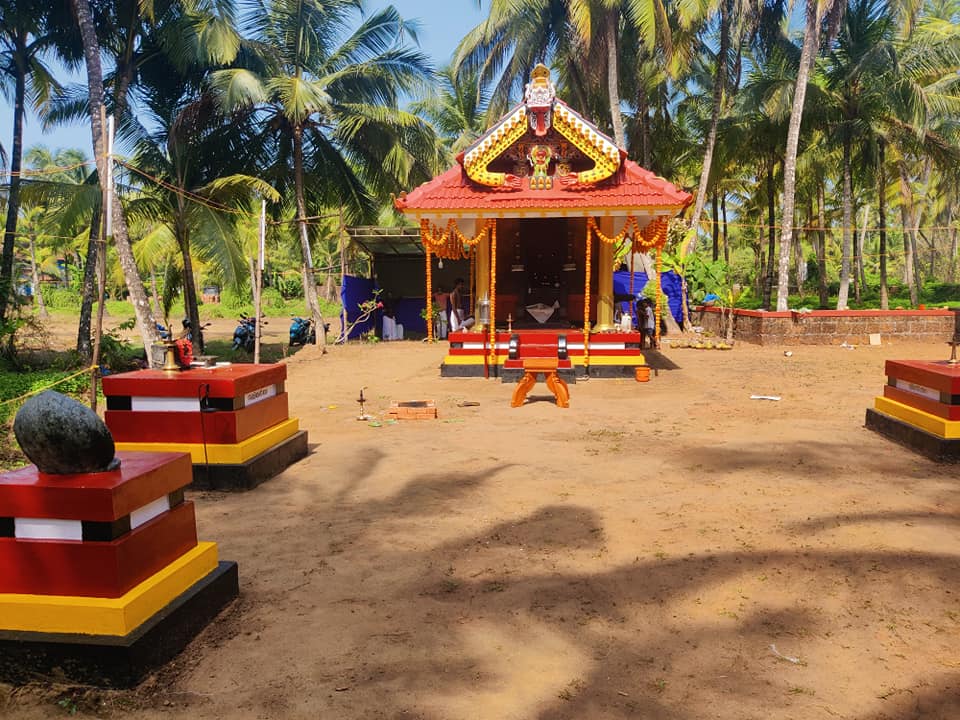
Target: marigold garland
[(429, 297), (449, 243), (659, 310)]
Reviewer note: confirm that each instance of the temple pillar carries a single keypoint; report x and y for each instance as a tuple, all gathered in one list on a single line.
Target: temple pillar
[(605, 278), (482, 279)]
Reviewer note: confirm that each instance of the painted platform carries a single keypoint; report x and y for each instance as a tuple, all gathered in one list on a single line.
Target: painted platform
[(218, 427), (247, 475), (244, 384), (105, 497), (80, 615), (96, 568), (233, 420), (615, 354), (920, 408), (113, 661), (91, 563)]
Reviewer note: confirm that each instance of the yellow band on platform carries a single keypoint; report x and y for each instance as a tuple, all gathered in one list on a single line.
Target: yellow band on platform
[(941, 427), (233, 454), (470, 359), (108, 616), (624, 360), (613, 360)]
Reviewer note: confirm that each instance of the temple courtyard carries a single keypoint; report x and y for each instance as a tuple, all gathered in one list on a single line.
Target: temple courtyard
[(670, 549)]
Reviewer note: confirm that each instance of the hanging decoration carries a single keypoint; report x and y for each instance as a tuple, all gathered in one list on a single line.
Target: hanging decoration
[(658, 307), (429, 317), (449, 243)]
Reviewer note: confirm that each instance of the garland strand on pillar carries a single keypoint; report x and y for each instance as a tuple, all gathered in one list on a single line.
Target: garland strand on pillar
[(473, 276), (493, 292), (429, 296), (659, 311)]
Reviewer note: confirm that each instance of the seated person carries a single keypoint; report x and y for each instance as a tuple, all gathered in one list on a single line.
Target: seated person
[(392, 330)]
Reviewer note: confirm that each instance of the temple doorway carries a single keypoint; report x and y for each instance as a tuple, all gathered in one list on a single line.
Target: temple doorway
[(538, 273)]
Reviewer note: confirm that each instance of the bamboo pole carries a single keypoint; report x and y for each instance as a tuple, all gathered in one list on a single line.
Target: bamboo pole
[(105, 230), (258, 285)]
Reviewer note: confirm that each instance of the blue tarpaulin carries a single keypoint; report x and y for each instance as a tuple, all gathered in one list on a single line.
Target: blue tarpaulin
[(669, 283), (406, 311), (354, 291)]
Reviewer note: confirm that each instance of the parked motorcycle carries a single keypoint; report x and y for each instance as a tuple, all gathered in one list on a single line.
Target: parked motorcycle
[(245, 334), (186, 332), (302, 331)]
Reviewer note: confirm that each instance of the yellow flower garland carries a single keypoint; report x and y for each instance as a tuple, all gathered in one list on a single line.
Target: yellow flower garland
[(429, 297)]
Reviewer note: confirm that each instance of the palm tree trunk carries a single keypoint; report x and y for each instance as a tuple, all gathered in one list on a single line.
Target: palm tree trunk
[(861, 245), (726, 243), (613, 79), (190, 306), (138, 296), (154, 293), (811, 43), (309, 281), (906, 215), (643, 114), (822, 288), (716, 227), (952, 264), (719, 84), (882, 221), (35, 279), (89, 288), (847, 247), (13, 191), (771, 236)]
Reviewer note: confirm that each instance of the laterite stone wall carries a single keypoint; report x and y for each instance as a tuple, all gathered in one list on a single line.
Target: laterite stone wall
[(831, 327)]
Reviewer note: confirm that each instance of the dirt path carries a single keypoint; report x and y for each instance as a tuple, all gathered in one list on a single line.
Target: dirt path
[(662, 550)]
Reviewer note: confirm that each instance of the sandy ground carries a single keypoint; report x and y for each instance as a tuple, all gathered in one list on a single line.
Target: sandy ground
[(662, 550)]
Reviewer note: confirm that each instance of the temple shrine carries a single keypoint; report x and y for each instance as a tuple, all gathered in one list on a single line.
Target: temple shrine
[(540, 206)]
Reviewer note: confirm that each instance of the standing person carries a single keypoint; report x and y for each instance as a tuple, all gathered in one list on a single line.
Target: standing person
[(649, 320), (457, 315), (441, 300)]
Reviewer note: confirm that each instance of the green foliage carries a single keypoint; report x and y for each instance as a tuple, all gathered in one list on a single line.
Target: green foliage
[(705, 277), (58, 298), (116, 352)]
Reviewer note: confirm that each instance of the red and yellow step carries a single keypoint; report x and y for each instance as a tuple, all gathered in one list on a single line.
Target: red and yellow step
[(920, 407), (233, 420), (101, 574)]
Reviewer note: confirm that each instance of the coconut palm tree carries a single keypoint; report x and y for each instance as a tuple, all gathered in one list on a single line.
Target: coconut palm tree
[(138, 296), (330, 107), (24, 39), (457, 108), (821, 20)]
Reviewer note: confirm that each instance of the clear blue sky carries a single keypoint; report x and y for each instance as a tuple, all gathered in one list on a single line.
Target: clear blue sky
[(442, 24)]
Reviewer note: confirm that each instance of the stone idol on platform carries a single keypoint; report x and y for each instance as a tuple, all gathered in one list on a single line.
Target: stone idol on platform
[(101, 575)]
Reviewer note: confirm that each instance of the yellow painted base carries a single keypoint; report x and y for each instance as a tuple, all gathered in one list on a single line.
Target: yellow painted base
[(941, 427), (612, 360), (108, 616), (469, 360), (235, 454)]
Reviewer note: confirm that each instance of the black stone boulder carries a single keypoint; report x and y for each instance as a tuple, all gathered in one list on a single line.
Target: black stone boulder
[(62, 436)]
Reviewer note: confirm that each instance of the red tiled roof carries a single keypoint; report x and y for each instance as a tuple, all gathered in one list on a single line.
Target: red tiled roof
[(631, 187)]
